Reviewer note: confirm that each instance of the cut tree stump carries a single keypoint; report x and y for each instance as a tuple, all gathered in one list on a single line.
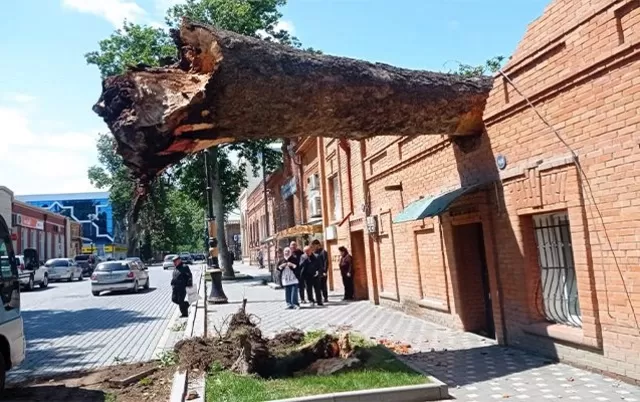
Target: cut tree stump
[(228, 87)]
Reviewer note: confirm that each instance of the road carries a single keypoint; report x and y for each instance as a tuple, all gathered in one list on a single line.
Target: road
[(68, 329)]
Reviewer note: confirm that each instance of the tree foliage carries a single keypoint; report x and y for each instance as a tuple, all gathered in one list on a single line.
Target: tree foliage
[(132, 45), (136, 44), (489, 67)]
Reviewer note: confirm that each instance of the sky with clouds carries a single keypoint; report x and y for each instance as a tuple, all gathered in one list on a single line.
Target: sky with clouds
[(48, 131)]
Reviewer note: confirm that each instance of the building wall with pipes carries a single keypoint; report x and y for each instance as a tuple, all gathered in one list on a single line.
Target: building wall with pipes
[(544, 253), (578, 66)]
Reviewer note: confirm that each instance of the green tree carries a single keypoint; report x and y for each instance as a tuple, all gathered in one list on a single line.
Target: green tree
[(489, 67), (136, 44)]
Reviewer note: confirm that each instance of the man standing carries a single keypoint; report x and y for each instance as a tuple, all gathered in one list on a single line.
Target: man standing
[(310, 274), (323, 259), (182, 279), (297, 254)]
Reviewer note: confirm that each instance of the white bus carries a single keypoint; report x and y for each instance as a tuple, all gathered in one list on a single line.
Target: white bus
[(12, 341)]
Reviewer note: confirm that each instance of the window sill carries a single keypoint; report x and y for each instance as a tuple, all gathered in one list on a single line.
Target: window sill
[(434, 304), (558, 332)]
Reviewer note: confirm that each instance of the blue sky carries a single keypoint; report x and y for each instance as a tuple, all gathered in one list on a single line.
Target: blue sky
[(48, 131)]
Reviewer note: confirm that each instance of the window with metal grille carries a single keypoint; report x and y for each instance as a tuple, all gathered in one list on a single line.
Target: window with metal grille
[(558, 285)]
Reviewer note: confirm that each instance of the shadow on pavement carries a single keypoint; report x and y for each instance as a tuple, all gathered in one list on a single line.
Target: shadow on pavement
[(58, 393), (468, 366), (127, 292), (44, 360), (54, 324)]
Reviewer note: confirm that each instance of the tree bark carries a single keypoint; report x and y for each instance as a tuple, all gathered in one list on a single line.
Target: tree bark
[(228, 87), (218, 210)]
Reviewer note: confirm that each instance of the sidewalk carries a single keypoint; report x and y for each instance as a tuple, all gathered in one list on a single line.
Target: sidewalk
[(476, 368)]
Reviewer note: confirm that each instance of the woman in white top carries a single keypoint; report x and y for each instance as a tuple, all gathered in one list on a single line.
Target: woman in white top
[(287, 266)]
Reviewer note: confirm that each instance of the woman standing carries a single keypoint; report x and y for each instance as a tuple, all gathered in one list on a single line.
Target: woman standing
[(346, 269), (287, 267)]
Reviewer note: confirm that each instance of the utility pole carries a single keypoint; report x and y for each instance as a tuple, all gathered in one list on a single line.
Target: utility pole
[(266, 208), (217, 295)]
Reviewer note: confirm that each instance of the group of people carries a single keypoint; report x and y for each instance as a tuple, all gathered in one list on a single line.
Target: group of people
[(304, 273)]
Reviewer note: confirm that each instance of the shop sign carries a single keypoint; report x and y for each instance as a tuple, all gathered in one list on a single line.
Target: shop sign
[(289, 188), (32, 223)]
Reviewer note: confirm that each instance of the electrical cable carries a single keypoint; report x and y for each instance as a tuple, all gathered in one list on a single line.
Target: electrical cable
[(590, 192)]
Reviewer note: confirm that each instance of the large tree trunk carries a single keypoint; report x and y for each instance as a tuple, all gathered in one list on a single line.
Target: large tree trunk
[(218, 211), (228, 87)]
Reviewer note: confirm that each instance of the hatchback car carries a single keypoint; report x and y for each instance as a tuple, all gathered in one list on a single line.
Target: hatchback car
[(186, 258), (63, 269), (119, 276), (168, 261)]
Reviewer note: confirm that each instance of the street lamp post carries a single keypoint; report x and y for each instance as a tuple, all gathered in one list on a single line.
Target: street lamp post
[(217, 295)]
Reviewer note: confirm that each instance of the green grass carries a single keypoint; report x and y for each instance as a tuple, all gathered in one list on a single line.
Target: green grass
[(382, 369)]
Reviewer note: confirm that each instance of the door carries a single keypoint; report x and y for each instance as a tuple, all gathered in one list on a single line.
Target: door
[(361, 288), (9, 283), (474, 292)]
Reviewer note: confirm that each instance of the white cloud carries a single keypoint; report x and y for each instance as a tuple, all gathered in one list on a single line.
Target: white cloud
[(43, 162), (282, 25), (17, 97), (114, 11), (285, 25)]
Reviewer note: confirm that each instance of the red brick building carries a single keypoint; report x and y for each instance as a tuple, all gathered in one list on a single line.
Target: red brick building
[(40, 229), (529, 233)]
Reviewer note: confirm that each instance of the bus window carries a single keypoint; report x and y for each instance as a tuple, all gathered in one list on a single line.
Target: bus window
[(9, 285)]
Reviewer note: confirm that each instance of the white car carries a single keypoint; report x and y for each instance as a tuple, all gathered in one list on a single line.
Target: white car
[(168, 261), (31, 273), (63, 269)]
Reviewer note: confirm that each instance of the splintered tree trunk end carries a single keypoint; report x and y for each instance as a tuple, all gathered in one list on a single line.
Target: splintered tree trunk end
[(228, 87)]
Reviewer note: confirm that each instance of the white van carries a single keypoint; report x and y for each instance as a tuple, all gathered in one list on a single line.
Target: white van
[(12, 341)]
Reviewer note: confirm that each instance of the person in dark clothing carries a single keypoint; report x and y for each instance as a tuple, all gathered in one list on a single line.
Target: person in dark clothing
[(323, 258), (310, 271), (346, 269), (182, 279), (297, 254)]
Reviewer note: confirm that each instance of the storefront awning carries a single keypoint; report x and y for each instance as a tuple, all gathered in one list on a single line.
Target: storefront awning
[(431, 206), (300, 230)]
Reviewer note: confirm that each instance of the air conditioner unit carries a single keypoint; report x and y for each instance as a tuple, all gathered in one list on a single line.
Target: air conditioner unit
[(314, 182), (315, 207), (18, 219)]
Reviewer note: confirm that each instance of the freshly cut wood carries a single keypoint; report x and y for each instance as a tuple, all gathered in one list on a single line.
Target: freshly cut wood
[(228, 87)]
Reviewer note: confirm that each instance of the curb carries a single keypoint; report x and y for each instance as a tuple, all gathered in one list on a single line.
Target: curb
[(195, 327)]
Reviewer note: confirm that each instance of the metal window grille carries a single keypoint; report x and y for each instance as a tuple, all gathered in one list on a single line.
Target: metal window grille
[(558, 285)]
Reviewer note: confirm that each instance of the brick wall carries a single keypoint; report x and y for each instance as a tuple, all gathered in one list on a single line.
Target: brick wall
[(578, 64)]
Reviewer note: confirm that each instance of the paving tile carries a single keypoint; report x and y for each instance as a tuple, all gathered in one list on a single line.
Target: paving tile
[(476, 368), (69, 329)]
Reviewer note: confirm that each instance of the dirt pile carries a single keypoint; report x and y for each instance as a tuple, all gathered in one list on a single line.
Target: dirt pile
[(243, 349)]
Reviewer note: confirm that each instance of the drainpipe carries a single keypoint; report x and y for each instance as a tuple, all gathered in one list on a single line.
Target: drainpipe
[(325, 211), (344, 144)]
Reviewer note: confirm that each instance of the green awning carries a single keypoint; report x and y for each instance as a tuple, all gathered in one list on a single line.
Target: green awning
[(428, 207)]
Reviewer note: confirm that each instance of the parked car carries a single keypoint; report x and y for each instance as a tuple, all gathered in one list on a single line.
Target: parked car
[(87, 262), (30, 271), (198, 257), (186, 258), (168, 261), (119, 276), (63, 269), (12, 336)]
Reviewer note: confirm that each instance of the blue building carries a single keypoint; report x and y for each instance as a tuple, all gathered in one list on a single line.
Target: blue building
[(101, 233)]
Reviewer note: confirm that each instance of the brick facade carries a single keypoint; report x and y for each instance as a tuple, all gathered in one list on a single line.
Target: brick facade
[(40, 229), (484, 264)]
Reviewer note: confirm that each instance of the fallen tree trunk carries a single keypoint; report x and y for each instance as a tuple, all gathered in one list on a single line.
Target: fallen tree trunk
[(228, 87)]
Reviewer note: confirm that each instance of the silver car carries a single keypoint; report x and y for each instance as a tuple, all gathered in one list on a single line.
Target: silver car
[(119, 276), (168, 261), (63, 269)]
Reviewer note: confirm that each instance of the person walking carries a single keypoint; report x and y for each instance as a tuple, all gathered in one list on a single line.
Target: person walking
[(260, 259), (297, 254), (310, 272), (323, 259), (346, 270), (182, 279), (287, 267)]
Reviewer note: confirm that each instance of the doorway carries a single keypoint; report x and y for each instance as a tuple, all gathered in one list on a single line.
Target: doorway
[(361, 289), (474, 291)]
